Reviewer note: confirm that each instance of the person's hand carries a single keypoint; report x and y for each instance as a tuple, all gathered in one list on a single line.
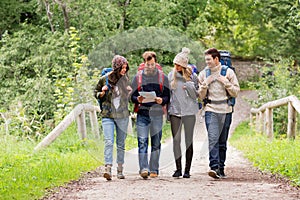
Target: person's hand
[(222, 79), (209, 79), (140, 99), (129, 89), (105, 88), (158, 100)]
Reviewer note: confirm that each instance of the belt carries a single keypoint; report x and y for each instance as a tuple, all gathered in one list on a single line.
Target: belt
[(217, 102)]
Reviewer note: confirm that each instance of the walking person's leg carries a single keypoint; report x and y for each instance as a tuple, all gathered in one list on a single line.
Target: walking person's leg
[(121, 133), (176, 124), (108, 132), (214, 123), (142, 127), (156, 133), (223, 143), (189, 124)]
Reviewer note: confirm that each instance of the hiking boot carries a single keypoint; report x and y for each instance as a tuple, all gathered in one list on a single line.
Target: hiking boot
[(222, 174), (120, 174), (214, 173), (107, 173), (177, 173), (144, 174), (186, 175), (153, 175)]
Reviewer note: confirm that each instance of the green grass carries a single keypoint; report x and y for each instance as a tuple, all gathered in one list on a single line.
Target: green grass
[(27, 175), (278, 156)]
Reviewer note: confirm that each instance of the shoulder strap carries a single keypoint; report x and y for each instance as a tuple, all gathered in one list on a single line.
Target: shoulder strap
[(161, 79), (106, 81), (139, 80), (224, 70), (207, 72)]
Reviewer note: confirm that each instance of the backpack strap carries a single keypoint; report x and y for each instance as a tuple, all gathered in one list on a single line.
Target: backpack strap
[(139, 78), (224, 70), (207, 72), (106, 82), (161, 79)]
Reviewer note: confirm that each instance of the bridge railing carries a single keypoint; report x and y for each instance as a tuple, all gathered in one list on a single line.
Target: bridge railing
[(264, 116), (78, 114)]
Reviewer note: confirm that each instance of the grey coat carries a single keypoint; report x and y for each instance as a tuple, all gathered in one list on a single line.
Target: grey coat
[(183, 102)]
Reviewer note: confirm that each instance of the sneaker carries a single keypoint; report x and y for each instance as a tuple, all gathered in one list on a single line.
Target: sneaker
[(214, 173), (144, 174), (153, 175), (177, 173), (186, 175), (222, 174)]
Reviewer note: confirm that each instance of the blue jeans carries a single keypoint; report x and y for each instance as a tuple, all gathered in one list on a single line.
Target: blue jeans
[(144, 124), (109, 125), (217, 125)]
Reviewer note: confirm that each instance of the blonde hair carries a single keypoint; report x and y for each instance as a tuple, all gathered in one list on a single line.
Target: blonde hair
[(186, 73)]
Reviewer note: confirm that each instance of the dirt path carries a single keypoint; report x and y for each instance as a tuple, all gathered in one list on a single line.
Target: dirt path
[(243, 182)]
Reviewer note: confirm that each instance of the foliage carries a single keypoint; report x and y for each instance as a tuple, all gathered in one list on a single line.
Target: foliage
[(277, 156), (29, 174), (279, 80)]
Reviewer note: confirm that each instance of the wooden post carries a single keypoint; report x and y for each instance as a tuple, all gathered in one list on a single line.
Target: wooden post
[(81, 125), (291, 131), (94, 123), (269, 122), (257, 122), (261, 122)]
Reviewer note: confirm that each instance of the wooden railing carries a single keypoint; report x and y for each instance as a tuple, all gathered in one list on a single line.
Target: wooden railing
[(264, 116), (78, 114)]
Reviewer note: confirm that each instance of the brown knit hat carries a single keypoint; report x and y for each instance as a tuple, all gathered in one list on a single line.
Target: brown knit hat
[(118, 61), (182, 58)]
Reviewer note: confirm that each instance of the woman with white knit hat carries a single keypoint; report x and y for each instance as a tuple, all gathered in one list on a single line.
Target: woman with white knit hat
[(183, 109)]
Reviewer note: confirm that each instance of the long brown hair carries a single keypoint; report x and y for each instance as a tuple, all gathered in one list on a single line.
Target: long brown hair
[(186, 73)]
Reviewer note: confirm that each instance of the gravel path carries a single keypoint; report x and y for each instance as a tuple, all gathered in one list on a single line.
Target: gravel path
[(243, 182)]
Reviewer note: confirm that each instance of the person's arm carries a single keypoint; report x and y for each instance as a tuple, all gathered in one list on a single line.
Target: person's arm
[(166, 91), (192, 87), (98, 93), (135, 92), (230, 82)]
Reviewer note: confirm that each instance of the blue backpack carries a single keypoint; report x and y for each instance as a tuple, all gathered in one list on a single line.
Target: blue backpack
[(225, 63), (105, 72)]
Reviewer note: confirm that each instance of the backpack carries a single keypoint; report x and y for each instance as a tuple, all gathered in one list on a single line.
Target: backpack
[(105, 72), (139, 78), (225, 63), (194, 68)]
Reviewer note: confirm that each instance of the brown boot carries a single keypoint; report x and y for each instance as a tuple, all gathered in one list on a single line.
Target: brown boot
[(107, 173)]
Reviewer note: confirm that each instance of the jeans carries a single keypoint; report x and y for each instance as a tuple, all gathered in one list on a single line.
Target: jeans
[(144, 124), (109, 125), (217, 125), (176, 124)]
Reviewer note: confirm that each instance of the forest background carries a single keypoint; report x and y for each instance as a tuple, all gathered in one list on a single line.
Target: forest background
[(52, 53), (46, 64)]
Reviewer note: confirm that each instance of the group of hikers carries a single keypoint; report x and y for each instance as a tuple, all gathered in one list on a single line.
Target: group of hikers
[(177, 93)]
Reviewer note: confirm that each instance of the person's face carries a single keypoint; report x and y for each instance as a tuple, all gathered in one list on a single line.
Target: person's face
[(150, 66), (123, 70), (210, 62), (178, 68)]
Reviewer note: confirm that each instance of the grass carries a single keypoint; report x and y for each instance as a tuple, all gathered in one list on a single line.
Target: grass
[(278, 156), (27, 175)]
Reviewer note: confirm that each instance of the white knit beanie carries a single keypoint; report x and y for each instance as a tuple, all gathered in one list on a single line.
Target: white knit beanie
[(182, 58)]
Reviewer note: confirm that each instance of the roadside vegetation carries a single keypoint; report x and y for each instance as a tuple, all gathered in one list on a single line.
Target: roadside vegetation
[(278, 156), (47, 68)]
